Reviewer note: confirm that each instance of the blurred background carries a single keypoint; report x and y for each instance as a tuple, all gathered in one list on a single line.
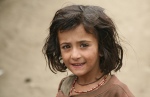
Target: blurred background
[(24, 26)]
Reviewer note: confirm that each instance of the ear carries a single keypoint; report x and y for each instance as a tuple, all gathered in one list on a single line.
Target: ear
[(61, 60)]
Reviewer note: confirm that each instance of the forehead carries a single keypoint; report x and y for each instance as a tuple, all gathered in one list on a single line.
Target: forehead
[(76, 34)]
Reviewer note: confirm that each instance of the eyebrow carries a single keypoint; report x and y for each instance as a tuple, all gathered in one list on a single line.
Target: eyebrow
[(84, 41), (77, 42), (64, 43)]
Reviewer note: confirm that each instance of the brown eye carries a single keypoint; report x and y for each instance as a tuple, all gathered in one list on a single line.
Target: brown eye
[(83, 45), (66, 47)]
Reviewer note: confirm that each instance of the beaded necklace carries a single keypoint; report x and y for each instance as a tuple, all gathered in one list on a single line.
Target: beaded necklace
[(90, 82), (99, 84)]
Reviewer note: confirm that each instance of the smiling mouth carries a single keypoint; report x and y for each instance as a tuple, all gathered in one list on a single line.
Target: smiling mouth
[(78, 64)]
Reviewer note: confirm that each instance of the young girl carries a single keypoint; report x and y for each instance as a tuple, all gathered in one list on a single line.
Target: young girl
[(84, 40)]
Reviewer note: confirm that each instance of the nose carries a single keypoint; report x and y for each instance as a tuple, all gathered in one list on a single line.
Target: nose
[(75, 54)]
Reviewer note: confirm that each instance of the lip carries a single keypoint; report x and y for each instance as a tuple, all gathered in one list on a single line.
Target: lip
[(77, 65)]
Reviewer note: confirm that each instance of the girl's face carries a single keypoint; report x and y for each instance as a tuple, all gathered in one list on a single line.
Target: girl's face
[(79, 51)]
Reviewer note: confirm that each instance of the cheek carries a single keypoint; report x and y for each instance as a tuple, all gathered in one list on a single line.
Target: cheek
[(65, 56), (92, 52), (91, 56)]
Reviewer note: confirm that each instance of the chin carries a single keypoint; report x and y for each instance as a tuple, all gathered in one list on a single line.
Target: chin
[(78, 73)]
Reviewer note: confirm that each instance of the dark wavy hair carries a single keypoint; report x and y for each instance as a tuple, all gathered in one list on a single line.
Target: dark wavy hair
[(95, 21)]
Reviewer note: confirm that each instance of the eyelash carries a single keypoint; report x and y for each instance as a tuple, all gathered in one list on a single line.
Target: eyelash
[(65, 47), (83, 45)]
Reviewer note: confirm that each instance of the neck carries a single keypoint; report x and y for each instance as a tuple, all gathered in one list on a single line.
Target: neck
[(89, 78)]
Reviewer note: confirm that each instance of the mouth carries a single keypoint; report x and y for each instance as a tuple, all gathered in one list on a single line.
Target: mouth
[(77, 64)]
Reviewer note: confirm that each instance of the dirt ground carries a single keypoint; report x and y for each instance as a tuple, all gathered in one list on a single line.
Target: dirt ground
[(24, 25)]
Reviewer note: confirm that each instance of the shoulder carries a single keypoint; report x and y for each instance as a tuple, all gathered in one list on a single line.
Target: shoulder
[(66, 84), (69, 78), (118, 89)]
